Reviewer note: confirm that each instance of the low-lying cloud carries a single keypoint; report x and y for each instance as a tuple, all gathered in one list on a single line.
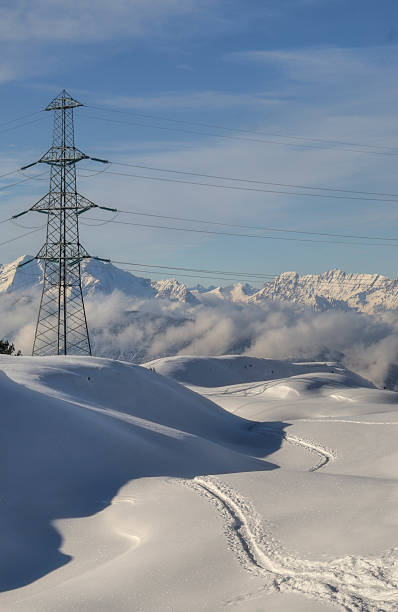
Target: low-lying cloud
[(140, 330)]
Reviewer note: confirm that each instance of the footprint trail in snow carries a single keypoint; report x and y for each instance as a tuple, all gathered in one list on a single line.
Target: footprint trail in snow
[(325, 454), (365, 584)]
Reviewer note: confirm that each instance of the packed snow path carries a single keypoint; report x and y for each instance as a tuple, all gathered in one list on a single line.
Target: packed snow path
[(325, 455), (354, 583)]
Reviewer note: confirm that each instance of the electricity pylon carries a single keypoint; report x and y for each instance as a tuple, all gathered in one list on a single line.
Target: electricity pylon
[(62, 325)]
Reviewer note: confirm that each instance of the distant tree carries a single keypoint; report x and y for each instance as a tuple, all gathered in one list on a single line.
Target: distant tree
[(7, 348)]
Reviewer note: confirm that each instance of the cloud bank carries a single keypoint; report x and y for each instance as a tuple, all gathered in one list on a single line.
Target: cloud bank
[(141, 330)]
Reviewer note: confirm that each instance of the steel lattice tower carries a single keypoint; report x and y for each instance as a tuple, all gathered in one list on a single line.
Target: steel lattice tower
[(62, 325)]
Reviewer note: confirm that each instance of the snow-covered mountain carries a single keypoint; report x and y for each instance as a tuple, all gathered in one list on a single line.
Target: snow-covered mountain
[(238, 292), (173, 290), (333, 290), (97, 277), (370, 293)]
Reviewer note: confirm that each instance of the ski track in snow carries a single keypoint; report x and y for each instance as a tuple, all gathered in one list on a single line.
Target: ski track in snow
[(245, 389), (325, 454), (364, 584), (119, 500), (322, 420)]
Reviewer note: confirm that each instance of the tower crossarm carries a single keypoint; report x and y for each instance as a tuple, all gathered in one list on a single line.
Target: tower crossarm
[(50, 203), (62, 155), (63, 101)]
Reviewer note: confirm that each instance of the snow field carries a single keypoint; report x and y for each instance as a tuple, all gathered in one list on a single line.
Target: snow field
[(271, 486)]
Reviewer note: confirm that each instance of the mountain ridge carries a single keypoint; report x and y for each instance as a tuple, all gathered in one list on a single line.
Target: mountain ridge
[(331, 290), (97, 277)]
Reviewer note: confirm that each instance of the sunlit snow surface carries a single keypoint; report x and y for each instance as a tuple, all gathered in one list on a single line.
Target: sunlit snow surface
[(249, 484)]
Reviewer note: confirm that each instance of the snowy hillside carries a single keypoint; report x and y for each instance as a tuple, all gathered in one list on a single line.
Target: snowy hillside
[(234, 369), (125, 490)]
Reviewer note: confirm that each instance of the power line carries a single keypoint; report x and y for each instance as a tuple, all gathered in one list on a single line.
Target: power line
[(267, 277), (240, 138), (265, 228), (247, 131), (5, 220), (245, 275), (211, 232), (249, 189), (255, 181), (185, 131), (20, 118), (260, 276), (28, 278), (14, 267), (218, 223), (248, 279), (29, 178), (253, 278), (256, 277), (21, 236), (102, 222), (20, 225), (11, 172), (15, 127), (224, 278)]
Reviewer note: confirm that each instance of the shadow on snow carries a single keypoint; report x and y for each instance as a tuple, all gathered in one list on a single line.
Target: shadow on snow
[(62, 456)]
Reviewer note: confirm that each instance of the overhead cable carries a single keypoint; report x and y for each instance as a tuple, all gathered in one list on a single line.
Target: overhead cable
[(258, 236), (256, 227), (255, 181), (15, 127), (194, 269), (29, 178), (20, 118), (319, 141), (21, 235), (249, 189)]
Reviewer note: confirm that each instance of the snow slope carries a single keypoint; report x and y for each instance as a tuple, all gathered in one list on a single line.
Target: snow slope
[(126, 490), (234, 369)]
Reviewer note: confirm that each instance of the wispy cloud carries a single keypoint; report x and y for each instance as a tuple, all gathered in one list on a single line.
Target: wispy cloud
[(85, 21), (319, 64), (32, 34), (200, 100)]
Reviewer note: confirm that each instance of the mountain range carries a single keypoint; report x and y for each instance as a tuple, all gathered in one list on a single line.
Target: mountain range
[(333, 290)]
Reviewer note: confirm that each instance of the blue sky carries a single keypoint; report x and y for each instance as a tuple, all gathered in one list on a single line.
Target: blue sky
[(312, 69)]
